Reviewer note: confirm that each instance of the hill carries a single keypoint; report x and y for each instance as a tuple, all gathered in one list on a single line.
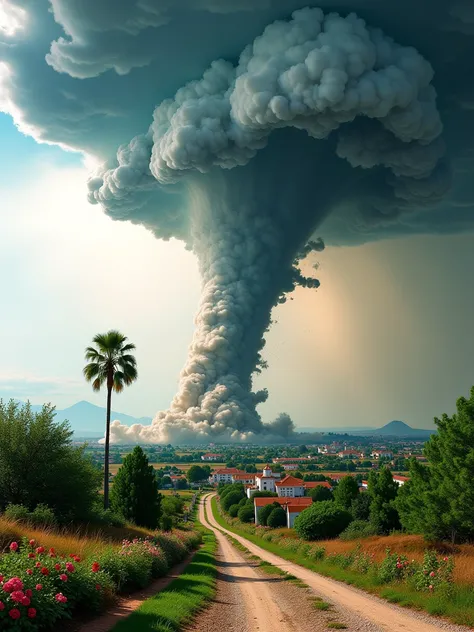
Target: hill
[(401, 429), (88, 420)]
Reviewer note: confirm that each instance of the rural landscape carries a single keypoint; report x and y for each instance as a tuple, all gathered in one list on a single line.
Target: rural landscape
[(236, 381)]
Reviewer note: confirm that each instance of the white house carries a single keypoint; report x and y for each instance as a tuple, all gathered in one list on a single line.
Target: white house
[(293, 511), (290, 466), (212, 457), (246, 478), (290, 487), (223, 475), (401, 480), (263, 482), (301, 503), (382, 454)]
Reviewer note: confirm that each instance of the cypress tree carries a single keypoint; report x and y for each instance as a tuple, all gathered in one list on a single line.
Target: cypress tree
[(134, 493)]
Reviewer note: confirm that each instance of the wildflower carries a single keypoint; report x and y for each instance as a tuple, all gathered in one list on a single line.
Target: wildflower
[(52, 552), (31, 613), (98, 586), (63, 577), (432, 574), (77, 559), (44, 571), (32, 543), (38, 564), (25, 601), (95, 568), (60, 598), (69, 567), (29, 593), (15, 613), (57, 567), (430, 587), (31, 556), (14, 546), (445, 559), (40, 550), (17, 596), (29, 571), (39, 586)]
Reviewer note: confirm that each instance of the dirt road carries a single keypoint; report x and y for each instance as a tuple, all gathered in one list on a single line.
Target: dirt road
[(262, 604)]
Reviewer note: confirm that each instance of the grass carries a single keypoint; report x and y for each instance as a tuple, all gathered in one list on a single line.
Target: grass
[(335, 625), (459, 606), (322, 605), (83, 540), (174, 607)]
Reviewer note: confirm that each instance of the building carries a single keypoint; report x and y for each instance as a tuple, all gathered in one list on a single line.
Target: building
[(382, 454), (212, 457), (223, 475), (290, 467), (303, 503), (312, 484), (246, 478), (290, 487), (401, 480), (293, 459), (265, 482), (293, 511), (175, 479), (349, 454)]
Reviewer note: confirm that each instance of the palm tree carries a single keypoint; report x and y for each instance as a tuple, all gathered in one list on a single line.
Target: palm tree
[(110, 363)]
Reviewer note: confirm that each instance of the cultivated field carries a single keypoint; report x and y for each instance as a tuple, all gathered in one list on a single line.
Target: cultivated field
[(181, 466)]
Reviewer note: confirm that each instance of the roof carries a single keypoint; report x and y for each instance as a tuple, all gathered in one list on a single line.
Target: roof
[(401, 478), (304, 501), (290, 481), (211, 454), (336, 476), (228, 470), (311, 484), (243, 477), (292, 508)]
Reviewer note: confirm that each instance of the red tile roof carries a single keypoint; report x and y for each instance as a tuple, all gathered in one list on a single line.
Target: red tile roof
[(311, 484), (401, 478), (229, 470), (243, 477), (290, 481), (292, 508), (283, 500)]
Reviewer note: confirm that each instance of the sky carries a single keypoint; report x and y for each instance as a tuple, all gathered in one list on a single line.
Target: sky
[(387, 335)]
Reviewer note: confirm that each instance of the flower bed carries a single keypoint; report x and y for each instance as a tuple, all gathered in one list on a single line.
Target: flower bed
[(38, 587)]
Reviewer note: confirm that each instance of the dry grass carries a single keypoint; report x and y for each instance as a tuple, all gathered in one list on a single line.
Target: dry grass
[(82, 540), (413, 546)]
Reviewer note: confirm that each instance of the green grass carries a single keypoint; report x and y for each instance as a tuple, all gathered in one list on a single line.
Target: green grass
[(335, 625), (174, 607), (322, 605), (458, 606)]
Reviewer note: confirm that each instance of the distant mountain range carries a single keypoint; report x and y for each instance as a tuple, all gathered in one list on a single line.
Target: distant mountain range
[(88, 420), (392, 429)]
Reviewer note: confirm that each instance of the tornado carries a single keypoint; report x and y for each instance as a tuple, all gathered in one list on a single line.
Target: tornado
[(244, 164)]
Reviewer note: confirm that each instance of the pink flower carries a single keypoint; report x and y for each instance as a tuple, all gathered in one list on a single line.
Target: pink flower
[(38, 564), (63, 577), (60, 598), (69, 567), (29, 571), (14, 546), (95, 568), (44, 571), (32, 542), (31, 556), (29, 593), (57, 567), (15, 613), (31, 613), (430, 587), (25, 601), (98, 586), (40, 549), (1, 578), (432, 574), (39, 586), (2, 606), (17, 596), (445, 559)]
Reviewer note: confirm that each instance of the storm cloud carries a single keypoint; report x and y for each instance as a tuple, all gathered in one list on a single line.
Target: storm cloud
[(249, 133)]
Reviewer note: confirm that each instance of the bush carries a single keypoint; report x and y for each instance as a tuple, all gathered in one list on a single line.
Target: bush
[(322, 520), (231, 498), (243, 502), (166, 522), (17, 513), (41, 516), (234, 510), (277, 518), (39, 464), (135, 494), (105, 517), (265, 511), (246, 514), (358, 529), (321, 493)]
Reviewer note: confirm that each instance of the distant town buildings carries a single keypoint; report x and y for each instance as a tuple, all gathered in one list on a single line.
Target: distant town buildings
[(212, 457)]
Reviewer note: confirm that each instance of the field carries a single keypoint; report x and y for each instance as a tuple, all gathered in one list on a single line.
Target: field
[(114, 467)]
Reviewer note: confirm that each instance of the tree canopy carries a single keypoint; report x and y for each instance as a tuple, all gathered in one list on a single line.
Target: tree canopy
[(345, 492)]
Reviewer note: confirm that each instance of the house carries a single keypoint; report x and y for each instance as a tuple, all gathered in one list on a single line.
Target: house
[(176, 478), (349, 454), (293, 511), (312, 484), (223, 475), (292, 459), (336, 476), (263, 482), (290, 487), (382, 454), (295, 502), (212, 457), (290, 466), (246, 478), (401, 480)]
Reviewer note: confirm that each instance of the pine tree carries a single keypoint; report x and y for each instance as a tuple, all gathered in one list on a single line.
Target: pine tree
[(135, 491), (383, 492), (346, 491), (439, 500)]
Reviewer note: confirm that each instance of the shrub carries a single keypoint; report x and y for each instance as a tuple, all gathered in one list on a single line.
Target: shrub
[(233, 510), (358, 529), (42, 516), (322, 520), (434, 574), (321, 493), (17, 513), (264, 512), (231, 498), (277, 518), (166, 522), (393, 568), (246, 514), (317, 553), (243, 502), (105, 517)]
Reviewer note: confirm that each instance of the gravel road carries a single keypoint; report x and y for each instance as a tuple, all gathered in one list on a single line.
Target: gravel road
[(249, 602)]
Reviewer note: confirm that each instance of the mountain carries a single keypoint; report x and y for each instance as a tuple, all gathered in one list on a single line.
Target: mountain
[(88, 420), (401, 429)]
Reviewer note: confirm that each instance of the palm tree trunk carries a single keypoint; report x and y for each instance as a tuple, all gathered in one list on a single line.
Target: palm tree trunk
[(106, 455)]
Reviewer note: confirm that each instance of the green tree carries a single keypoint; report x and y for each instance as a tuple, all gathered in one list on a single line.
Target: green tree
[(111, 363), (277, 518), (195, 474), (246, 513), (39, 464), (361, 506), (265, 511), (135, 491), (383, 491), (233, 511), (232, 498), (321, 493), (346, 491), (321, 521), (438, 501)]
